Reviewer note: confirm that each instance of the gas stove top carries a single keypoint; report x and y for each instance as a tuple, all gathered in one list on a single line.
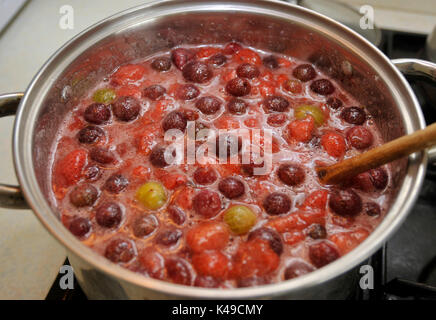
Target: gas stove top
[(405, 267)]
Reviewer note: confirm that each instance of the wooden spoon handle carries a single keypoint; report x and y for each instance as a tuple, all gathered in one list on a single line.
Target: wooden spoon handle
[(376, 157)]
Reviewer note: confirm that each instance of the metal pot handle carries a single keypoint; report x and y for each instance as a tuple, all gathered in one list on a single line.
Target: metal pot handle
[(11, 196), (422, 68)]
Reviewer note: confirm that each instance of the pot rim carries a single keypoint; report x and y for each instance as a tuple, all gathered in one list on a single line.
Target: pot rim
[(407, 195)]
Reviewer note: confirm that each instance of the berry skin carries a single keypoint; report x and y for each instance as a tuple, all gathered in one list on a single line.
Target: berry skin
[(308, 110), (347, 241), (153, 263), (205, 175), (345, 203), (248, 56), (208, 236), (176, 215), (297, 269), (144, 225), (169, 237), (154, 92), (247, 70), (291, 174), (116, 183), (277, 203), (354, 115), (277, 119), (120, 250), (323, 87), (175, 120), (207, 203), (181, 56), (128, 73), (126, 108), (240, 219), (304, 72), (109, 215), (90, 134), (197, 72), (152, 195), (238, 87), (301, 130), (208, 105), (217, 60), (276, 104), (232, 48), (359, 137), (231, 187), (102, 155), (187, 92), (293, 86), (178, 271), (270, 62), (84, 195), (71, 167), (211, 263), (322, 253), (334, 144), (161, 64), (316, 200), (317, 231), (104, 96), (80, 226)]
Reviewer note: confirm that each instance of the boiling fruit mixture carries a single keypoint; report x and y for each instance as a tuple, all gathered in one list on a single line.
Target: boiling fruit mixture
[(216, 225)]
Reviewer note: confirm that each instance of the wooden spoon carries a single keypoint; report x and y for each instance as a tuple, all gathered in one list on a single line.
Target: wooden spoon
[(376, 157)]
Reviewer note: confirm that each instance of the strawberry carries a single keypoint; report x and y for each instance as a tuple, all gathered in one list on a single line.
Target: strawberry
[(142, 172), (208, 236), (227, 122), (334, 144), (71, 166), (248, 56), (211, 263), (315, 200), (254, 258), (266, 88), (301, 130), (128, 73)]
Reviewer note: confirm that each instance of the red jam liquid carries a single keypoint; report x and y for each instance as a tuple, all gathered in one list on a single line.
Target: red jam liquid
[(97, 171)]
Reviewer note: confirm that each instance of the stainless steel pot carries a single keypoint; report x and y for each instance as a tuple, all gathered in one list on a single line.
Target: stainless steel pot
[(357, 65)]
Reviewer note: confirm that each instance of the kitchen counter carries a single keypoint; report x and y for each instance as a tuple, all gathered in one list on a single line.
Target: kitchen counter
[(29, 257)]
